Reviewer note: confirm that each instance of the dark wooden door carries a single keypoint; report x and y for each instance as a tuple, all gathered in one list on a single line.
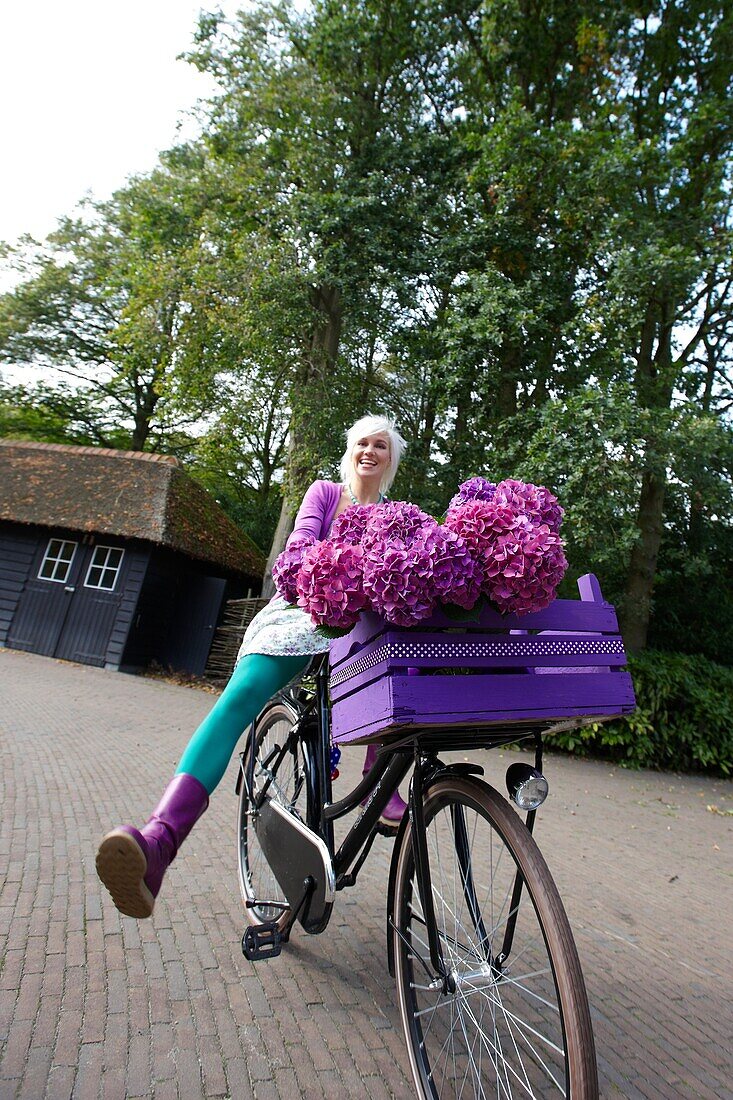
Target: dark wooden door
[(197, 614), (95, 604), (44, 604)]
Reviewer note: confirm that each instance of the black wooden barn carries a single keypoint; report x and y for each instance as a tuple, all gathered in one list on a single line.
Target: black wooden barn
[(114, 558)]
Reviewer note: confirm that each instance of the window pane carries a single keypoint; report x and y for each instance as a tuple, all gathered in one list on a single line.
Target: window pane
[(105, 567), (57, 560), (61, 571)]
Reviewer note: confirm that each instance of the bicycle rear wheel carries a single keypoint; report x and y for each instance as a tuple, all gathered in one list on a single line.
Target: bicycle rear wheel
[(288, 785), (513, 1027)]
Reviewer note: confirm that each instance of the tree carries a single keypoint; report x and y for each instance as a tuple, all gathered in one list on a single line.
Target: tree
[(102, 302), (592, 243), (311, 138), (668, 269)]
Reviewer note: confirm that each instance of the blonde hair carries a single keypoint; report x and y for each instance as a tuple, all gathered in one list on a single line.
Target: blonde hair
[(373, 425)]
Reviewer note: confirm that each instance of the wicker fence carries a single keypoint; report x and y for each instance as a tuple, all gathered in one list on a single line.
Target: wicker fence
[(238, 614)]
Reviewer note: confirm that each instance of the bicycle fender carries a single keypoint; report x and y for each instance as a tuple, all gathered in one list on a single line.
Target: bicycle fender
[(403, 826)]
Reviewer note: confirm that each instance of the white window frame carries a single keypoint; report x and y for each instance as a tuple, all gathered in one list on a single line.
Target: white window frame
[(57, 560), (94, 564)]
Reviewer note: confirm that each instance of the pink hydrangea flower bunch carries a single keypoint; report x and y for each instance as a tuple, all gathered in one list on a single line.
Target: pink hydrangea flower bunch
[(526, 567), (286, 567), (479, 523), (514, 537), (330, 582), (533, 500)]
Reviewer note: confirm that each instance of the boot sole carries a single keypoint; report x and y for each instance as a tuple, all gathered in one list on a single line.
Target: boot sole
[(121, 865)]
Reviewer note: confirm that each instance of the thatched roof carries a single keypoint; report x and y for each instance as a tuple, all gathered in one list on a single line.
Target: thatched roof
[(127, 493)]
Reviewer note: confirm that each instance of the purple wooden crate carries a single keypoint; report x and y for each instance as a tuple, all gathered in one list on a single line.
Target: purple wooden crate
[(382, 679)]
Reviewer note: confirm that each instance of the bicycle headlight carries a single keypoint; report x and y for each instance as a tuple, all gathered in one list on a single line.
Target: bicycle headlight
[(527, 787)]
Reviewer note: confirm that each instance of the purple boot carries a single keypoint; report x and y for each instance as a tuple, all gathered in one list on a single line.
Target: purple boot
[(394, 811), (131, 862)]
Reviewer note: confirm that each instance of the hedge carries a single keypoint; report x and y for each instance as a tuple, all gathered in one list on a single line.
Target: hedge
[(683, 720)]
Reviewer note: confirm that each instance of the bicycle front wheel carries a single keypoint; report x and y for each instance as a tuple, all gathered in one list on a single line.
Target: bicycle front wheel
[(512, 1019), (285, 775)]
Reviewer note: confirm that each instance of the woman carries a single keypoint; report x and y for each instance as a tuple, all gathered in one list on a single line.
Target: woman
[(276, 648)]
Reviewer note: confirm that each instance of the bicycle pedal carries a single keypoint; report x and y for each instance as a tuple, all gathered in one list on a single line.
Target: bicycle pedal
[(262, 941), (386, 830)]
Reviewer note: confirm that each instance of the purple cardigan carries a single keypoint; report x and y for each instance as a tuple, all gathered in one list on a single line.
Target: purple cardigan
[(317, 510)]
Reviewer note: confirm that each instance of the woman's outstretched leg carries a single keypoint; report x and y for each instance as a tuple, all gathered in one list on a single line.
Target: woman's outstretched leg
[(131, 862)]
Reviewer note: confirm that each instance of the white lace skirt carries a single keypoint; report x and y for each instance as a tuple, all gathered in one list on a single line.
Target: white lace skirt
[(282, 632)]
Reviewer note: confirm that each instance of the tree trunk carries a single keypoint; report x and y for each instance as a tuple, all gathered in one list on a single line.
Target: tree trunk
[(305, 446), (283, 529), (636, 608), (696, 525), (654, 374)]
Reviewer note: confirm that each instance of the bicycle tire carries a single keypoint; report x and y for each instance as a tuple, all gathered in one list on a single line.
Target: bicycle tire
[(526, 1032), (289, 787)]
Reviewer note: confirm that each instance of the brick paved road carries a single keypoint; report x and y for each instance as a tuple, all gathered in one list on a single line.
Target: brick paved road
[(92, 1004)]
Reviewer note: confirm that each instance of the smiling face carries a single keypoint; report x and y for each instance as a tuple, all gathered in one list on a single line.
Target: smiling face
[(370, 458)]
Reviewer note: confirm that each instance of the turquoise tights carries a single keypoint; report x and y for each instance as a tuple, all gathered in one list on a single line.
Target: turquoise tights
[(255, 679)]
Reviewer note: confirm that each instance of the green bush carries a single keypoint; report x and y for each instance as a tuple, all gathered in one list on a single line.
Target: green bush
[(683, 720)]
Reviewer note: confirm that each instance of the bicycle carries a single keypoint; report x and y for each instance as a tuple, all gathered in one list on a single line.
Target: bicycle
[(490, 988)]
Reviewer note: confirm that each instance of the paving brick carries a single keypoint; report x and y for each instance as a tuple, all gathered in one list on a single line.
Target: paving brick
[(89, 1072), (37, 1067)]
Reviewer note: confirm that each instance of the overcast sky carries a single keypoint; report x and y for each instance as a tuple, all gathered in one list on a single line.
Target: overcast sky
[(91, 91)]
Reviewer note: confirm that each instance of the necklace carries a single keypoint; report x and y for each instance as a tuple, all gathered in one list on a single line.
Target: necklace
[(355, 501)]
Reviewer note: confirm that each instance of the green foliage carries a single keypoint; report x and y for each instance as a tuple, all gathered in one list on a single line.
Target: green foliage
[(683, 720), (47, 415)]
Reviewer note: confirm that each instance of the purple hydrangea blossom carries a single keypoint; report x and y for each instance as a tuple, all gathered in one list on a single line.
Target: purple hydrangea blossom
[(476, 488), (457, 575), (398, 580), (394, 520), (551, 512), (330, 583), (287, 564), (351, 524)]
